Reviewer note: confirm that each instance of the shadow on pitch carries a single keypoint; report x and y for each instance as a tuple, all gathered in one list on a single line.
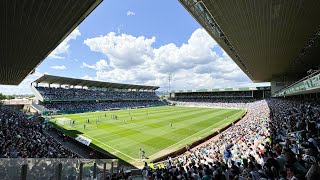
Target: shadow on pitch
[(73, 132)]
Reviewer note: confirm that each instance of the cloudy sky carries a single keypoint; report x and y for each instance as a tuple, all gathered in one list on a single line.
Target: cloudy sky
[(140, 42)]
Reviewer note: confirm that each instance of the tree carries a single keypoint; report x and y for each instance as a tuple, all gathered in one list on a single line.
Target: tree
[(162, 97), (10, 97), (2, 97)]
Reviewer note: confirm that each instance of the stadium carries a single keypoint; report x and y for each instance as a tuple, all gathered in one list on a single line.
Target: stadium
[(76, 128)]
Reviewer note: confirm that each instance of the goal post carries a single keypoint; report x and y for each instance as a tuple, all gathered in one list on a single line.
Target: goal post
[(63, 121)]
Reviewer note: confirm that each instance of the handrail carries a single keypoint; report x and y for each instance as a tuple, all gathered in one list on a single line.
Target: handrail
[(39, 108), (37, 93)]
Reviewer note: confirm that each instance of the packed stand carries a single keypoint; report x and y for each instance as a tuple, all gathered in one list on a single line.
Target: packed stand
[(22, 137), (278, 140), (96, 106), (241, 103), (223, 94), (87, 94)]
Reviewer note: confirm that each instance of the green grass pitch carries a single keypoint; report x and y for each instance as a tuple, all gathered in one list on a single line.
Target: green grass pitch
[(149, 129)]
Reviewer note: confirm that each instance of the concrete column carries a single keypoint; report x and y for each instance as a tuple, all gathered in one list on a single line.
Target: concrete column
[(81, 171), (24, 172), (111, 168), (59, 173), (94, 170), (104, 170)]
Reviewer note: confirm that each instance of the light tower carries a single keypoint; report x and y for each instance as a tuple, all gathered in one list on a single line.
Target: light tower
[(169, 80)]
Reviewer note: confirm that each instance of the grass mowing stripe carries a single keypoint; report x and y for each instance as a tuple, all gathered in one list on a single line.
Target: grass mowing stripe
[(151, 137), (123, 134), (179, 117), (150, 128), (196, 133), (166, 126), (143, 126), (110, 147)]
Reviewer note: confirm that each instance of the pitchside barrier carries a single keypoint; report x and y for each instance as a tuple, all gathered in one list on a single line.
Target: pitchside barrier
[(41, 168), (196, 143)]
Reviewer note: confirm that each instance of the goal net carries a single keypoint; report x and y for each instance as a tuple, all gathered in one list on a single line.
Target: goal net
[(63, 121)]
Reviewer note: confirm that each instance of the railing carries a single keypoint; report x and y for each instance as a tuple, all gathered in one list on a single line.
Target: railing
[(57, 168), (36, 93), (37, 107), (309, 82)]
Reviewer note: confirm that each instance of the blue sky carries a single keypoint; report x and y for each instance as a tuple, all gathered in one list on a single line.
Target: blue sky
[(140, 42)]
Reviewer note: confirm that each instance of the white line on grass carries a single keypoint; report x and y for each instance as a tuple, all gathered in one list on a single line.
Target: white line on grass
[(139, 125), (191, 135), (113, 148), (119, 134), (138, 160)]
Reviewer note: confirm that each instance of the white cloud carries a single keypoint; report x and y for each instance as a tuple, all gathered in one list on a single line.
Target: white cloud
[(87, 77), (58, 67), (85, 65), (130, 13), (124, 51), (63, 47), (101, 65), (194, 64), (198, 51)]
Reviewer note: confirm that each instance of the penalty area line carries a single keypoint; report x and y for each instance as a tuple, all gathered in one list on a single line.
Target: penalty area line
[(175, 144), (138, 160)]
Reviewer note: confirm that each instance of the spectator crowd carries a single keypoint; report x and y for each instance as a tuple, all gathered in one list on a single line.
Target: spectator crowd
[(279, 139), (240, 103), (96, 106), (222, 94), (22, 137), (87, 94)]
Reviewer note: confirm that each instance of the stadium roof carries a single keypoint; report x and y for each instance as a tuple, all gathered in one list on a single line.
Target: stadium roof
[(32, 29), (265, 38), (89, 83)]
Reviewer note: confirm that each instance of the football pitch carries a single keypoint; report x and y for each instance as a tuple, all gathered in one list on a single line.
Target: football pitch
[(147, 128)]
